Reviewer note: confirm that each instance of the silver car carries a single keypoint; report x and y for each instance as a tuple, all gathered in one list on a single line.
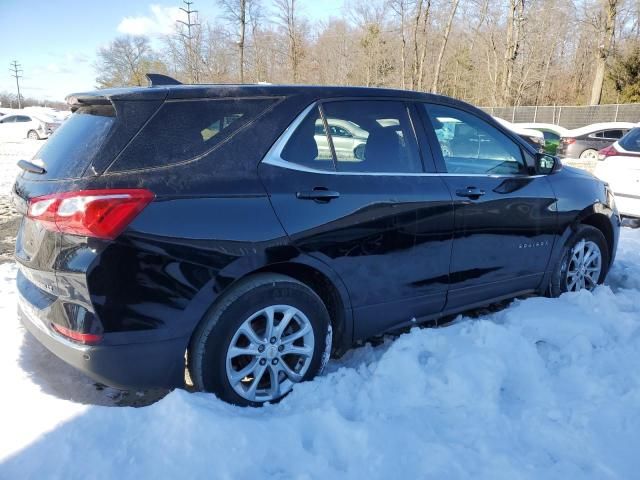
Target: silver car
[(349, 140)]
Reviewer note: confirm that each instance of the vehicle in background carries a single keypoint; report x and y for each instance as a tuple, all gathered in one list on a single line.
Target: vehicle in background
[(619, 166), (348, 139), (534, 138), (552, 134), (17, 127), (584, 142)]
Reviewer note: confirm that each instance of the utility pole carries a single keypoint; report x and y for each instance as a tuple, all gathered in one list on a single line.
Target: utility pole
[(15, 72), (193, 71)]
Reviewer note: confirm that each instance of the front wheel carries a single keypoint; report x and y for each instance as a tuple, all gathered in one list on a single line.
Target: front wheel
[(264, 336), (584, 263)]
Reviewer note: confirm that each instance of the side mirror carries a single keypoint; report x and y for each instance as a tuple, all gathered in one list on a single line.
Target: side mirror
[(546, 164)]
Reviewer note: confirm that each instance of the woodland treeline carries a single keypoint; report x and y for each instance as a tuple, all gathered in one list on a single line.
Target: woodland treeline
[(487, 52)]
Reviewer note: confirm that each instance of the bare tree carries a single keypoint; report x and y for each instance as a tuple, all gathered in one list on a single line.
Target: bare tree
[(239, 12), (125, 61), (514, 30), (605, 23), (443, 46), (286, 15)]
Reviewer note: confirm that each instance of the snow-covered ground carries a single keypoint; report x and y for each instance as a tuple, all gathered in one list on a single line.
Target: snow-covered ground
[(546, 388)]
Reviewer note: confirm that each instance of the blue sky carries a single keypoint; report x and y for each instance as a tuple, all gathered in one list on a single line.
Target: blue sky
[(56, 41)]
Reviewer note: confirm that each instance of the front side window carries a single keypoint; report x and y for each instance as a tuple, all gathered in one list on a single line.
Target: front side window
[(470, 145), (372, 136), (22, 118), (613, 134)]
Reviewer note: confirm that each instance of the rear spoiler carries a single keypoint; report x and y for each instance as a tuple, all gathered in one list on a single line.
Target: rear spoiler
[(108, 95)]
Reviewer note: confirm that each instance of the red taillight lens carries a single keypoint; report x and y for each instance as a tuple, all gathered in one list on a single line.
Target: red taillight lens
[(89, 213), (609, 151), (88, 338), (568, 140)]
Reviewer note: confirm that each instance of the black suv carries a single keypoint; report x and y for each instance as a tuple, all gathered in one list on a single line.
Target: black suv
[(225, 225)]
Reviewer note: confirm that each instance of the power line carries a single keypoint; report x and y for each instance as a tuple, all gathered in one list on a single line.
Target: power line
[(15, 72)]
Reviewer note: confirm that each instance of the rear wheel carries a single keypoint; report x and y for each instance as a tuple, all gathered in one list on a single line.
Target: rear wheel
[(267, 334), (33, 135), (358, 152), (589, 154), (584, 263)]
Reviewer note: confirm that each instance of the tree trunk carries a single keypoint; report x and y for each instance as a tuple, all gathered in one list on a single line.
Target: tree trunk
[(445, 39), (243, 28), (604, 48), (514, 27)]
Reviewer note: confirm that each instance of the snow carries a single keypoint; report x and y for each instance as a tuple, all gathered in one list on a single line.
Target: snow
[(10, 153), (545, 388)]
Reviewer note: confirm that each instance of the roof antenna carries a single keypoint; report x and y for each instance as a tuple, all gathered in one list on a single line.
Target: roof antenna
[(157, 80)]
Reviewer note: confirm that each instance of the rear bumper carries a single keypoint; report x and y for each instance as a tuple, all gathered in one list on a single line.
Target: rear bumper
[(146, 365)]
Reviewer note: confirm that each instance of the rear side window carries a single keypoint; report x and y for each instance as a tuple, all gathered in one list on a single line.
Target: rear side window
[(308, 145), (186, 129), (550, 135), (372, 136), (76, 143), (470, 145), (631, 141)]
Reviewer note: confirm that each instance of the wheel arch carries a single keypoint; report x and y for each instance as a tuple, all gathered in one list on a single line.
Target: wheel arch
[(307, 270)]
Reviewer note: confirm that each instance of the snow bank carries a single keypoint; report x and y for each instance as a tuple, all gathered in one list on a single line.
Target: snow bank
[(547, 388), (10, 153)]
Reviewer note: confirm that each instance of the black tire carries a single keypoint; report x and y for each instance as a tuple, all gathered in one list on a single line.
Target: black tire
[(558, 284), (208, 348), (33, 135)]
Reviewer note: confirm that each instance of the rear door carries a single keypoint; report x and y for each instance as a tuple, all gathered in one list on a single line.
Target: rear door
[(378, 221), (505, 218)]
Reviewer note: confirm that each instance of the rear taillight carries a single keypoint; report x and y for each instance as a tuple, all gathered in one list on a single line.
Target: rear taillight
[(609, 151), (87, 338), (568, 140), (89, 213)]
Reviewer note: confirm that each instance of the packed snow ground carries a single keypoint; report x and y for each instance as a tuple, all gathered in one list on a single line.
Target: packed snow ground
[(546, 388)]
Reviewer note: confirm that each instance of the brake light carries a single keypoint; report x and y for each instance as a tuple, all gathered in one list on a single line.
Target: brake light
[(609, 151), (89, 213), (568, 140), (87, 338)]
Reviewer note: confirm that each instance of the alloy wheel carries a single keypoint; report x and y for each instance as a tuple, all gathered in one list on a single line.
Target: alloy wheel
[(585, 266), (270, 352)]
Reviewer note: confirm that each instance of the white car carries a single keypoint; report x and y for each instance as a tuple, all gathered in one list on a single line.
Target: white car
[(19, 126), (532, 137), (619, 166)]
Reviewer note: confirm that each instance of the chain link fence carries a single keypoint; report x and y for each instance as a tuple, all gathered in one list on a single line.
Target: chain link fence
[(569, 116)]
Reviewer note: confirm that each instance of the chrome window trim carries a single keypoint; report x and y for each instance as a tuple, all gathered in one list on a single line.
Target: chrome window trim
[(274, 158)]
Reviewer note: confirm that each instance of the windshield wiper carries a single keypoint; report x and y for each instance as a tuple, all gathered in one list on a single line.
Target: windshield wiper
[(31, 167)]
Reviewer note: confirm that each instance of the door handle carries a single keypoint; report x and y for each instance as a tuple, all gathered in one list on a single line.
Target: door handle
[(319, 194), (470, 192)]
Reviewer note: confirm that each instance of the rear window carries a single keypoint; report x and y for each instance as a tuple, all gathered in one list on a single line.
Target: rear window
[(631, 141), (75, 144), (186, 129)]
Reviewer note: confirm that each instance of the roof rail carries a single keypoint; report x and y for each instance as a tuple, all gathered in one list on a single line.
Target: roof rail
[(157, 79)]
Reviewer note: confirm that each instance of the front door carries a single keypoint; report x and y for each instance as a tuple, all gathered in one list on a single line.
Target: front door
[(360, 214), (505, 217)]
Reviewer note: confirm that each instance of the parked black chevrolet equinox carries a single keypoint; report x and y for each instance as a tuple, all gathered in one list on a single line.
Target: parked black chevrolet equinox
[(242, 227)]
